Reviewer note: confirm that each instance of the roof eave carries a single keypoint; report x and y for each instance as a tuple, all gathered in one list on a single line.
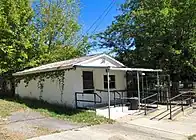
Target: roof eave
[(42, 71), (137, 69)]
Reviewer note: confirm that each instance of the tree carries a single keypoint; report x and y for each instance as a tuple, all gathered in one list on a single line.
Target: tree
[(58, 31), (29, 37), (155, 34), (15, 35), (34, 34)]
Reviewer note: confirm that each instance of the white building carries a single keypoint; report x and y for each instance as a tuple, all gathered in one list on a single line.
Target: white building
[(86, 75)]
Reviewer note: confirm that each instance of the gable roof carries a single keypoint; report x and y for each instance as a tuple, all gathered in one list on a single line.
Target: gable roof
[(67, 64)]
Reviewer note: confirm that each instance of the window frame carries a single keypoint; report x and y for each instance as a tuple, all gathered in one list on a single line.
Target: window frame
[(112, 82), (89, 79)]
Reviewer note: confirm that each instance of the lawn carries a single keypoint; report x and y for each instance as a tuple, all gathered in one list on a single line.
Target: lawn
[(7, 106)]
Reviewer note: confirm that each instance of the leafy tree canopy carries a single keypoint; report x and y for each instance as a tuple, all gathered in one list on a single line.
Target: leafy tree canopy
[(155, 34), (15, 34), (35, 33)]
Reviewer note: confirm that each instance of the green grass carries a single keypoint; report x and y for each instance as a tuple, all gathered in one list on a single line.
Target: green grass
[(193, 137), (9, 105), (85, 117)]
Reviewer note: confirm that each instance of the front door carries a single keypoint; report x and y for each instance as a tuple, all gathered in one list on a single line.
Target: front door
[(88, 85), (131, 84)]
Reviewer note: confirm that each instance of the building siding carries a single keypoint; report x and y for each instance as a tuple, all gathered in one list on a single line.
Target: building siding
[(72, 83)]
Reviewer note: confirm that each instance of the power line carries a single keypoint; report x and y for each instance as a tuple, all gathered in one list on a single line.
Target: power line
[(104, 14), (104, 17), (105, 11)]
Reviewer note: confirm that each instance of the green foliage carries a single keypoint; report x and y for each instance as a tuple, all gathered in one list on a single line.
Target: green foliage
[(56, 22), (15, 35), (57, 31), (48, 32), (164, 33)]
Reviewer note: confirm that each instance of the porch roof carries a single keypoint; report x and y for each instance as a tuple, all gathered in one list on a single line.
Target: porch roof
[(137, 69), (123, 69)]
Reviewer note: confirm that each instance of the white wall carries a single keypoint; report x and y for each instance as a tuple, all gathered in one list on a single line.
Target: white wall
[(73, 83), (51, 91), (98, 75)]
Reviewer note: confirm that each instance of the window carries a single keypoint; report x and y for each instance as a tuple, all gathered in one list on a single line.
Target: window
[(112, 81), (88, 80)]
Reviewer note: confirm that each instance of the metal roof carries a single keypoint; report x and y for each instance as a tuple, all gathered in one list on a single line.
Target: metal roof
[(78, 62), (56, 65), (137, 69)]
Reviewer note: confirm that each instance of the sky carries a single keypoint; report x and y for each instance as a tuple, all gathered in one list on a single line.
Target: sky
[(92, 9)]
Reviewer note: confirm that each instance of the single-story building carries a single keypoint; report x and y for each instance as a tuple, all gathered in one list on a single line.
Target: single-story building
[(85, 81)]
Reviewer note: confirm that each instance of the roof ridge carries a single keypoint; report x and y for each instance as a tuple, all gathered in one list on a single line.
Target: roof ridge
[(69, 59)]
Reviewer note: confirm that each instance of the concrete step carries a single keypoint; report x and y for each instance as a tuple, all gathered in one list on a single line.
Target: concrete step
[(115, 112)]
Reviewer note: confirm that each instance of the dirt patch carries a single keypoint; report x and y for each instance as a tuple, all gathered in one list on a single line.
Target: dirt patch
[(42, 130), (8, 135)]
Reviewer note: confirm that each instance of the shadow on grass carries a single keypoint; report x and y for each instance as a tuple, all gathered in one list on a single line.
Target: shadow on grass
[(40, 104)]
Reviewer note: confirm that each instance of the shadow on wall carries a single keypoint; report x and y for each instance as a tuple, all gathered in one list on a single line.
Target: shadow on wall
[(40, 104)]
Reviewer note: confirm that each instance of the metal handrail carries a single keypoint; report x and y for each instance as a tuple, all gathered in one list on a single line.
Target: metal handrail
[(147, 98), (153, 102), (120, 97), (100, 98), (111, 90), (95, 100), (114, 91), (100, 101), (118, 93), (101, 90), (181, 99), (176, 96)]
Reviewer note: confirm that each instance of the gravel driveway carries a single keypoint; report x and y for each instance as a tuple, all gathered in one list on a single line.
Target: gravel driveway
[(117, 131)]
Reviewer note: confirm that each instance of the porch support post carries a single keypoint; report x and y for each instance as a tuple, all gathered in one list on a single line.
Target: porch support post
[(158, 84), (143, 86), (108, 78), (138, 88)]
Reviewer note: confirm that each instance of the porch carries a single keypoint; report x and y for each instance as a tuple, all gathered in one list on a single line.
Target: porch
[(142, 90)]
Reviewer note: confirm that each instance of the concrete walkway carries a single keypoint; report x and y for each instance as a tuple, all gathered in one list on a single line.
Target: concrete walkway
[(184, 125), (141, 128), (118, 131)]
